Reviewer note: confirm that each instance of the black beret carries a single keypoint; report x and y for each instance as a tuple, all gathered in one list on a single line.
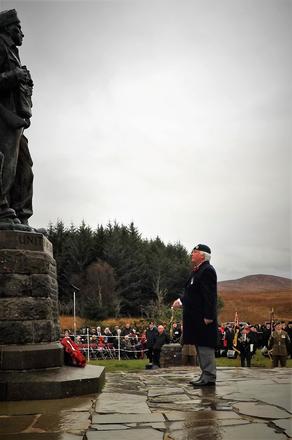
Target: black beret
[(203, 248)]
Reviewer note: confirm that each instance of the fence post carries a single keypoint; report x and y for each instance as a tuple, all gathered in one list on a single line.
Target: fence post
[(87, 343), (119, 344)]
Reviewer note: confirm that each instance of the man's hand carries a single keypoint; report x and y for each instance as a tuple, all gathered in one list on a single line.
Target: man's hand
[(177, 304), (21, 74), (208, 321)]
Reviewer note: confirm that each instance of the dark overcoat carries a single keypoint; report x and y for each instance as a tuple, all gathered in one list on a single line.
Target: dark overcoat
[(199, 302)]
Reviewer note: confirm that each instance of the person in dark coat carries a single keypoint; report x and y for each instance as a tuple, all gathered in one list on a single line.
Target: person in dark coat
[(151, 334), (247, 345), (289, 332), (161, 338), (200, 313)]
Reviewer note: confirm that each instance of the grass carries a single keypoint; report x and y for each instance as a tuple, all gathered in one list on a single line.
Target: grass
[(122, 365), (112, 365), (258, 360)]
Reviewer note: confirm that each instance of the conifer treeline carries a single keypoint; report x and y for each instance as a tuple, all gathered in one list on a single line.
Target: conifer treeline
[(118, 272)]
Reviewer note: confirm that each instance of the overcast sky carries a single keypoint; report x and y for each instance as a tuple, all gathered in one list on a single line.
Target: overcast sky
[(173, 114)]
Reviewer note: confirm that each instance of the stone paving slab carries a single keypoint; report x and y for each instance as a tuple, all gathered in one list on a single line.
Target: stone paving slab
[(233, 422), (242, 432), (286, 425), (156, 425), (122, 403), (278, 394), (161, 405), (164, 391), (65, 421), (41, 436), (252, 431), (127, 418), (131, 434), (11, 425), (174, 416), (177, 398), (190, 406), (260, 411), (110, 427), (197, 433), (81, 403)]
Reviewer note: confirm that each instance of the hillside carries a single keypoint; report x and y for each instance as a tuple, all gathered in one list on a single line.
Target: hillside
[(254, 296), (256, 283)]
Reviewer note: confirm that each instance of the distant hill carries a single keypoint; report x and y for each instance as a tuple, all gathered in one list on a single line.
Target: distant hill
[(256, 283), (254, 296)]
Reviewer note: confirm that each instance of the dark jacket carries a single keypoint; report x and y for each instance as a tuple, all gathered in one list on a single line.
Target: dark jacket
[(279, 343), (199, 302), (151, 336), (160, 340), (247, 343)]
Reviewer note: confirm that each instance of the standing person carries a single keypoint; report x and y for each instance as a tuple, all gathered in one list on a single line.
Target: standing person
[(289, 331), (176, 333), (116, 334), (151, 334), (161, 338), (200, 313), (16, 85), (266, 329), (279, 343), (246, 344), (126, 330)]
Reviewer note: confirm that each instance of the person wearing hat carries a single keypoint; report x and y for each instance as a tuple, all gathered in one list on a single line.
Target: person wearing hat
[(15, 112), (279, 344), (246, 344), (199, 303)]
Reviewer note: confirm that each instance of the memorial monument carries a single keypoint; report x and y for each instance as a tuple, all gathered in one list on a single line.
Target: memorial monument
[(31, 357)]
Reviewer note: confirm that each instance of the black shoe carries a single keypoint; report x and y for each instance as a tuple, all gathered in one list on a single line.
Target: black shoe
[(201, 384), (194, 381)]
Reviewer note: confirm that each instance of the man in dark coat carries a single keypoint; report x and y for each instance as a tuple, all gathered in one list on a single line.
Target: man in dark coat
[(161, 338), (200, 313), (151, 334)]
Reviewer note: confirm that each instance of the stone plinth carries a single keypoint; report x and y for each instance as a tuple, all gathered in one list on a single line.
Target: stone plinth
[(28, 289), (51, 383), (32, 241), (31, 357), (171, 355)]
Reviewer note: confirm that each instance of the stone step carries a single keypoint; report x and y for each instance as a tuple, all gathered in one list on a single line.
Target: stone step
[(52, 383)]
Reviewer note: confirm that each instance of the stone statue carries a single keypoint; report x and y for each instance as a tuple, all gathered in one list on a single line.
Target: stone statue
[(16, 85), (31, 356)]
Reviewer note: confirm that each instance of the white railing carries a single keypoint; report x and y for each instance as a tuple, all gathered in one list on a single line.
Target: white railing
[(99, 347)]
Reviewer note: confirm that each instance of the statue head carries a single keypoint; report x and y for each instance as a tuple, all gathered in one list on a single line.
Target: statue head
[(10, 24)]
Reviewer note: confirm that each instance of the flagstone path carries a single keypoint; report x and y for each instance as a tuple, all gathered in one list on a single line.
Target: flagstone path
[(247, 403)]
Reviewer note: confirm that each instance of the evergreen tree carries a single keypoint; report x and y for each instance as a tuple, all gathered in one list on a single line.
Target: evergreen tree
[(117, 271)]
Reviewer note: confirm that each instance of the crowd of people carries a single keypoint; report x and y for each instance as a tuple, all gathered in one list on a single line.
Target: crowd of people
[(243, 339), (234, 340), (126, 342)]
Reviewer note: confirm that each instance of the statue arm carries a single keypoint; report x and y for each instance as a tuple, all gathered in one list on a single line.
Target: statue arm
[(9, 79)]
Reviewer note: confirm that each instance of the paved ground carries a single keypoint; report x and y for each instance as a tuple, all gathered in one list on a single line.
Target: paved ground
[(249, 404)]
